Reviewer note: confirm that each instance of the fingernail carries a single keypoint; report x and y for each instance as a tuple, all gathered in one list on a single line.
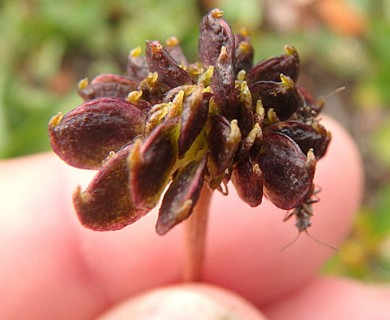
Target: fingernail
[(173, 304)]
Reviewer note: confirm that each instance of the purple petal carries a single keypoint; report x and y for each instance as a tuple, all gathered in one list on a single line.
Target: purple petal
[(151, 163), (223, 139), (307, 136), (248, 181), (85, 136), (243, 53), (175, 51), (106, 204), (271, 69), (181, 197), (168, 70), (137, 67), (193, 119), (107, 85), (223, 86), (288, 173), (215, 33), (282, 96)]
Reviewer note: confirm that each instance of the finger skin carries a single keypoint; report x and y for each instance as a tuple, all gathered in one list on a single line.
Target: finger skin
[(333, 298), (245, 254), (63, 270), (185, 301), (42, 275)]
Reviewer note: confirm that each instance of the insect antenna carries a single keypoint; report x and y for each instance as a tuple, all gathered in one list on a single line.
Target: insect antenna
[(311, 237), (334, 92), (291, 242), (320, 242)]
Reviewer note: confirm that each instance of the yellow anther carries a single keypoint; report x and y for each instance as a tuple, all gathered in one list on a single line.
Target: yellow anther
[(290, 50), (55, 121), (216, 13), (310, 157), (152, 77), (172, 41), (244, 32), (83, 83), (135, 52), (287, 81), (134, 96), (244, 46), (241, 76)]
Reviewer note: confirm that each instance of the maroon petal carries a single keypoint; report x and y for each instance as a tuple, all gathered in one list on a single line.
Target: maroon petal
[(288, 173), (215, 33), (248, 181), (243, 52), (151, 163), (223, 85), (181, 197), (106, 203), (271, 69), (137, 67), (175, 51), (193, 119), (283, 97), (106, 85), (85, 136), (307, 136), (223, 139), (168, 70)]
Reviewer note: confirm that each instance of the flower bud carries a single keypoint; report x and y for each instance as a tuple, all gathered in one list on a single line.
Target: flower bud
[(137, 67), (106, 204), (248, 181), (85, 136), (288, 173), (215, 33), (106, 85), (151, 163), (283, 97), (271, 69), (181, 196), (313, 136), (168, 70)]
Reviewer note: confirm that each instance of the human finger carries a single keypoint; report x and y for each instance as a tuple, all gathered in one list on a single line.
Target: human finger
[(92, 270), (333, 298), (188, 301), (244, 249), (244, 245)]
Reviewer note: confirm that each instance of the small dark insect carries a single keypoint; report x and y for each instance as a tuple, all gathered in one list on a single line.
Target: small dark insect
[(303, 213)]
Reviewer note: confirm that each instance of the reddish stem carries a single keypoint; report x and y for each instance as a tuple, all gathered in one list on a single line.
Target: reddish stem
[(195, 238)]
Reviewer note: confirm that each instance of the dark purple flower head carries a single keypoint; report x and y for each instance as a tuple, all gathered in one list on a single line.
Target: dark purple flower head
[(175, 126)]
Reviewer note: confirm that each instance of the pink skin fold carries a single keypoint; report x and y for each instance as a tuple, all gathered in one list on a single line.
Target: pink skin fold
[(59, 269)]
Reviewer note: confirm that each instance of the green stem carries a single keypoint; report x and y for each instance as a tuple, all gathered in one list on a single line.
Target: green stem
[(195, 238)]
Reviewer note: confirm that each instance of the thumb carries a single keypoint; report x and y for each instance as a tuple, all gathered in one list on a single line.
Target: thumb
[(189, 301)]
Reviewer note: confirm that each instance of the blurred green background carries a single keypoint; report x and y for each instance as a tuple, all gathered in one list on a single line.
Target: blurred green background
[(47, 46)]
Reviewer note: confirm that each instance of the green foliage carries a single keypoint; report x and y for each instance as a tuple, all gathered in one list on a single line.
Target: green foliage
[(47, 46)]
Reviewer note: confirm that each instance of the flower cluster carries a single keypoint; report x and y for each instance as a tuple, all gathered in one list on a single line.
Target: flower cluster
[(178, 126)]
